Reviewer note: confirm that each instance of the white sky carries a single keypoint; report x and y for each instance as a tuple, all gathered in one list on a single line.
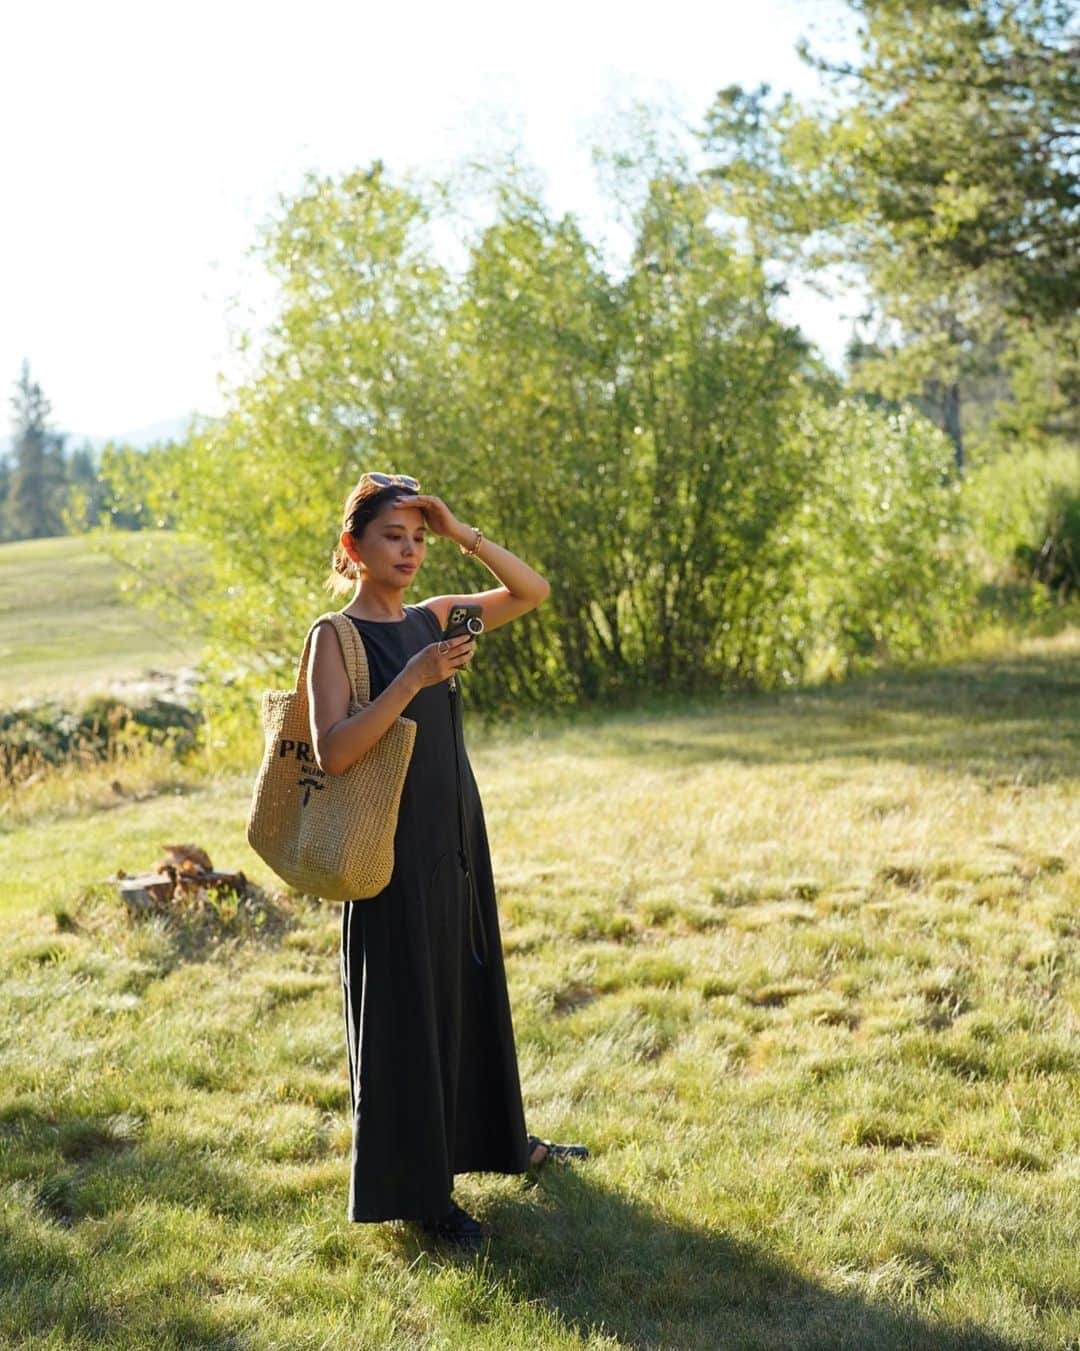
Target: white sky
[(141, 144)]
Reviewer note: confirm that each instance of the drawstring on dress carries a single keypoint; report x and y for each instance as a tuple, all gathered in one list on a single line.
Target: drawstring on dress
[(476, 918)]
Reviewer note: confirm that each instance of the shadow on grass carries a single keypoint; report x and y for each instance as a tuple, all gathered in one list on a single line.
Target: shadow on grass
[(605, 1263), (86, 1163), (196, 926), (599, 1261), (1012, 720), (63, 1170)]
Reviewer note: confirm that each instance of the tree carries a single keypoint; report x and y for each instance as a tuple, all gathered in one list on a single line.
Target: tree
[(85, 489), (643, 441), (945, 173), (965, 140), (35, 491), (5, 486)]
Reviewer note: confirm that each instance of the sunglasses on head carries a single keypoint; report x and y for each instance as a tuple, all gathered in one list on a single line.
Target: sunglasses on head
[(388, 480)]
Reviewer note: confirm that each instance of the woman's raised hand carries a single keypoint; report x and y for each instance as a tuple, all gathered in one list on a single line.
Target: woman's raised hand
[(429, 665), (438, 517)]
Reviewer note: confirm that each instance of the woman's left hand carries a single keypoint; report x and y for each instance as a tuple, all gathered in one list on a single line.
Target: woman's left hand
[(440, 520)]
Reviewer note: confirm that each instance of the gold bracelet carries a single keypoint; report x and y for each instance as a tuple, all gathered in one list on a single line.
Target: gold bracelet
[(469, 553)]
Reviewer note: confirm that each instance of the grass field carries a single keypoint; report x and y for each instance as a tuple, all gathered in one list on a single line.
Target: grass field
[(64, 630), (800, 968)]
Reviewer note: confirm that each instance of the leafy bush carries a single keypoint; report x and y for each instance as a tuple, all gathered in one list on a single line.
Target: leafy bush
[(49, 734), (1055, 561), (654, 445), (879, 548), (1025, 509)]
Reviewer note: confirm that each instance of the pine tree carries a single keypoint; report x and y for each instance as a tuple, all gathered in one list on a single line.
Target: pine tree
[(944, 171), (85, 489), (37, 477), (5, 485)]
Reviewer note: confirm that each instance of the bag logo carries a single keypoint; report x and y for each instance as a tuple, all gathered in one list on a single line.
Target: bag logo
[(311, 776)]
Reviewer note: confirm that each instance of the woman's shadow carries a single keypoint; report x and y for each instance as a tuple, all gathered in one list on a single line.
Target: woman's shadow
[(606, 1264), (599, 1261)]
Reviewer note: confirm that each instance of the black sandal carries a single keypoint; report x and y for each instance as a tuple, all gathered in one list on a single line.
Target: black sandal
[(554, 1151)]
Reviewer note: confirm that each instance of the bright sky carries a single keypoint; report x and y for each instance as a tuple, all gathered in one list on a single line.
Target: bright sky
[(141, 144)]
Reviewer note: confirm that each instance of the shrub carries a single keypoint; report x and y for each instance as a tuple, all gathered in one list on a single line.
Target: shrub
[(1025, 509), (49, 734)]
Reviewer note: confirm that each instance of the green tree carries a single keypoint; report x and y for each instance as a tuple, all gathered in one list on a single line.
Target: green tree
[(639, 439), (34, 500), (944, 173), (5, 487), (84, 498), (349, 378)]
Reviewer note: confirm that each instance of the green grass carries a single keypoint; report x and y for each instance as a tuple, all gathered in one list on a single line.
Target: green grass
[(64, 629), (800, 968)]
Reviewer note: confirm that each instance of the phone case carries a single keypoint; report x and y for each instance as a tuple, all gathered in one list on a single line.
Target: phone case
[(457, 619)]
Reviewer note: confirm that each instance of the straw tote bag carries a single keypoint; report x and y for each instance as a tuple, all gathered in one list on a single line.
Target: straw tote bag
[(331, 835)]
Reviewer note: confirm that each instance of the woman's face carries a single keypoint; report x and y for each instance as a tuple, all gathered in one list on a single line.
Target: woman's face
[(393, 545)]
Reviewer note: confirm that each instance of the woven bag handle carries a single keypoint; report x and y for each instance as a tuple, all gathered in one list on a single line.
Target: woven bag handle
[(352, 650)]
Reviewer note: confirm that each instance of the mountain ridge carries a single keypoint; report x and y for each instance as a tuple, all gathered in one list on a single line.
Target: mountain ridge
[(151, 433)]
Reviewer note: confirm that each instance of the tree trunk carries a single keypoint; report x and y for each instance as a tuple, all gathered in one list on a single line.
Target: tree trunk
[(951, 414)]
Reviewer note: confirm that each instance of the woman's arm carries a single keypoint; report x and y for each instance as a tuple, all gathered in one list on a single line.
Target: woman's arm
[(337, 738), (514, 573), (522, 590)]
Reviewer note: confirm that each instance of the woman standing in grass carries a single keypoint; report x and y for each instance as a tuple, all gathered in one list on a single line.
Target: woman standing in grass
[(433, 1077)]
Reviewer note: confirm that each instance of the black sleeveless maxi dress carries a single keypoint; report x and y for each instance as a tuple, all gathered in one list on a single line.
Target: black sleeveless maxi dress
[(433, 1076)]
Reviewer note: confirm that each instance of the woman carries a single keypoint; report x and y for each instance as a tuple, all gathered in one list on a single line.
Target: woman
[(433, 1077)]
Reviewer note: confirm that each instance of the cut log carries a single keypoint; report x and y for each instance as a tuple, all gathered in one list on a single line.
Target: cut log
[(146, 890), (186, 858), (170, 883), (207, 880)]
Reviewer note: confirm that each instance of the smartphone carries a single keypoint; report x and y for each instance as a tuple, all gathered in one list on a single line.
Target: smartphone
[(464, 619)]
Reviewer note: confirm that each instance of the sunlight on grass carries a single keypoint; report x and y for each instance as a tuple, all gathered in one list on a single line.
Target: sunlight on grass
[(85, 638), (801, 970)]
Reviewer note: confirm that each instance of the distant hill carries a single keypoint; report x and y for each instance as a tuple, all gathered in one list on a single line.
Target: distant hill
[(67, 630), (140, 437)]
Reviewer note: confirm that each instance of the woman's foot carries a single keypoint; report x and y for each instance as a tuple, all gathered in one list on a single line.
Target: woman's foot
[(542, 1150), (457, 1227)]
